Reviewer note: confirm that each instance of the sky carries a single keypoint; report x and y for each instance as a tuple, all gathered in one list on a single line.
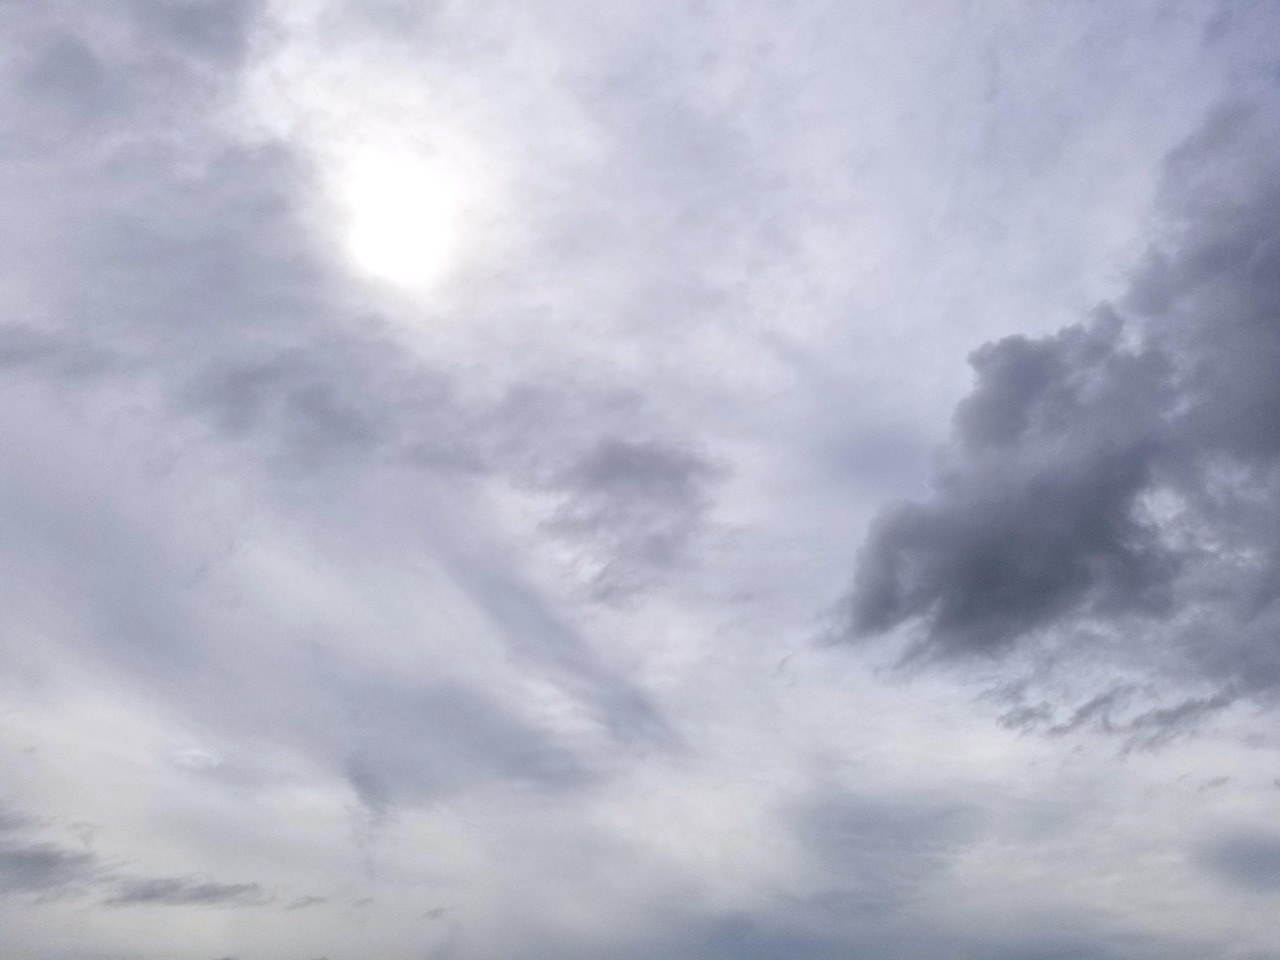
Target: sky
[(509, 480)]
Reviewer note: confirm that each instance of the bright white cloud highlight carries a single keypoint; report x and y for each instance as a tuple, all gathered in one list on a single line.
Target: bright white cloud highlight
[(402, 218)]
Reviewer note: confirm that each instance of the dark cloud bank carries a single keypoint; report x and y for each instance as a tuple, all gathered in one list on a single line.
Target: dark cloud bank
[(1117, 485)]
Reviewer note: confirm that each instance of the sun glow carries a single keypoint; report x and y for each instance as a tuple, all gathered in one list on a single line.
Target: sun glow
[(403, 217)]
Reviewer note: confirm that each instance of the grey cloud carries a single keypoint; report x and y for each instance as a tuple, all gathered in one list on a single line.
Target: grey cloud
[(185, 891), (52, 354), (116, 68), (197, 286), (1246, 859), (757, 938), (171, 303), (30, 865), (766, 934), (11, 820), (146, 234), (1097, 710), (1061, 947), (41, 867), (715, 935), (68, 77), (1037, 519), (640, 503), (1123, 710), (1158, 726), (1119, 476), (198, 294), (412, 745), (215, 31), (532, 630), (871, 854), (633, 506), (200, 305), (326, 403)]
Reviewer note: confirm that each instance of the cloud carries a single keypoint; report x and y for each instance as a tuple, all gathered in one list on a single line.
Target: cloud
[(481, 587), (41, 867), (1118, 478), (11, 820), (185, 891), (1247, 859), (416, 744), (1144, 716), (204, 309), (873, 855), (32, 866), (636, 504), (1038, 518)]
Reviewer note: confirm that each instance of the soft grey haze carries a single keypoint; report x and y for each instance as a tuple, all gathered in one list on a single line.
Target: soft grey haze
[(558, 481)]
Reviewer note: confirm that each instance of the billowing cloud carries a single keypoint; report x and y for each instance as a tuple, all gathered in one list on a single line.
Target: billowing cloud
[(1119, 476)]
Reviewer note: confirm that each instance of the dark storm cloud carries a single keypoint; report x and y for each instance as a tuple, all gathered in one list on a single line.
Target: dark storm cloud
[(1122, 474), (185, 891)]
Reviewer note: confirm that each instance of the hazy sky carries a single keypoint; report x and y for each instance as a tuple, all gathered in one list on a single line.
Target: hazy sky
[(543, 480)]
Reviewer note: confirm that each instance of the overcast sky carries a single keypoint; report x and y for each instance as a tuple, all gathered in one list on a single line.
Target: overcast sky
[(547, 480)]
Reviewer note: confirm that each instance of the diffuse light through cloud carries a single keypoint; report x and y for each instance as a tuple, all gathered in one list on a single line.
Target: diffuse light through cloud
[(401, 216), (403, 170)]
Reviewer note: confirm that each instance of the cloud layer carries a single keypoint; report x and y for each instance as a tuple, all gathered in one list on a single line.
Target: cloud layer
[(473, 606)]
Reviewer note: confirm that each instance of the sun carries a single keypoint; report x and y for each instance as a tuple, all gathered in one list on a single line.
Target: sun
[(402, 217)]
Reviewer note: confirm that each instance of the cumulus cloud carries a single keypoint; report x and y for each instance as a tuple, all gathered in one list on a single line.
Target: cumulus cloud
[(1120, 475)]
